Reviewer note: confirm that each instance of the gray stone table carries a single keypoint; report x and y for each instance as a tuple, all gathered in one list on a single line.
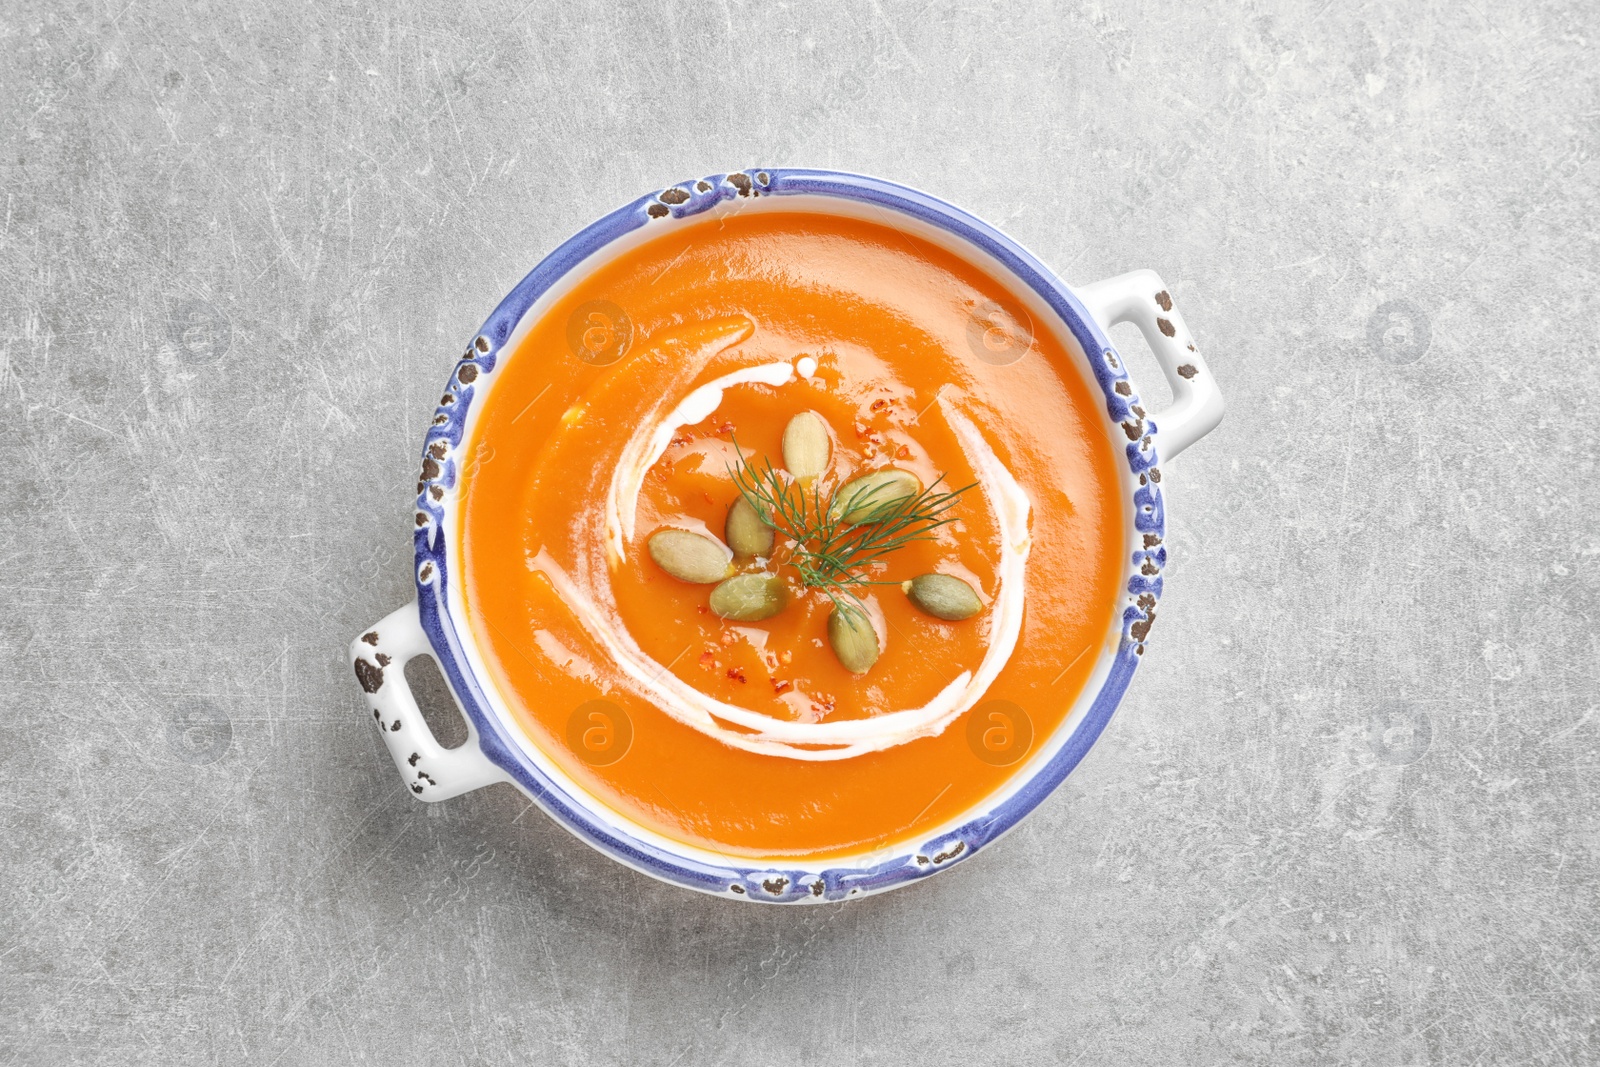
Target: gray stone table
[(1348, 811)]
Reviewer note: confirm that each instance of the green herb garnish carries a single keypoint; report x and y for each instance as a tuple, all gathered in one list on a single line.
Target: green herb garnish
[(830, 554)]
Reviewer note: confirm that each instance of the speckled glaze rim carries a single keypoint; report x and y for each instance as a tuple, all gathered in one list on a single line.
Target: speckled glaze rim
[(1086, 315)]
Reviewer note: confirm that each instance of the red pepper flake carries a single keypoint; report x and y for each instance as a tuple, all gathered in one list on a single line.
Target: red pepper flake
[(736, 673), (707, 660), (727, 428), (779, 685), (708, 498), (683, 439), (902, 452), (879, 405)]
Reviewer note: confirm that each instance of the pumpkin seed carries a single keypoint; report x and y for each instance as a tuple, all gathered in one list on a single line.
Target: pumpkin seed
[(854, 640), (943, 596), (873, 496), (749, 597), (689, 556), (747, 533), (806, 446)]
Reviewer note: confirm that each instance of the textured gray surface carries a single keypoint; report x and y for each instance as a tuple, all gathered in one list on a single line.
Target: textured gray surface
[(1348, 812)]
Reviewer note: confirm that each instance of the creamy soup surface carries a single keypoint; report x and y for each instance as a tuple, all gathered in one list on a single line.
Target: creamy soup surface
[(708, 697)]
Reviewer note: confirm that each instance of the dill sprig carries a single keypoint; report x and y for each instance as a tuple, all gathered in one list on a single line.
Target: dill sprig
[(830, 554)]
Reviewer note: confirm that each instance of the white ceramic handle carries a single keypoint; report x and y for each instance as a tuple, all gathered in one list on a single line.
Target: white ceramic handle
[(432, 772), (1140, 297)]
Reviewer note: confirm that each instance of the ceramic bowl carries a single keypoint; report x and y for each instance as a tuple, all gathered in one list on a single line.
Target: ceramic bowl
[(498, 751)]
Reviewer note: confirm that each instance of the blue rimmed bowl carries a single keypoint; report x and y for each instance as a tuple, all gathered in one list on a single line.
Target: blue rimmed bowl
[(497, 750)]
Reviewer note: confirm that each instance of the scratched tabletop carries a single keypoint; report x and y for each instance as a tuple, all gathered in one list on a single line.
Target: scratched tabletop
[(1348, 811)]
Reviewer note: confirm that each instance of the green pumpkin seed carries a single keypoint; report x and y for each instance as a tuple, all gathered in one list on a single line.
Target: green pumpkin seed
[(806, 446), (689, 556), (749, 597), (873, 496), (854, 640), (747, 534), (943, 596)]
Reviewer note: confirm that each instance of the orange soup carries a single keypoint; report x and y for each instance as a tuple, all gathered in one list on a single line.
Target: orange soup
[(759, 488)]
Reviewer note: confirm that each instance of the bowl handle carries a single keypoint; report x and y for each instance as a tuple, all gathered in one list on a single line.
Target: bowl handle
[(1140, 297), (433, 772)]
